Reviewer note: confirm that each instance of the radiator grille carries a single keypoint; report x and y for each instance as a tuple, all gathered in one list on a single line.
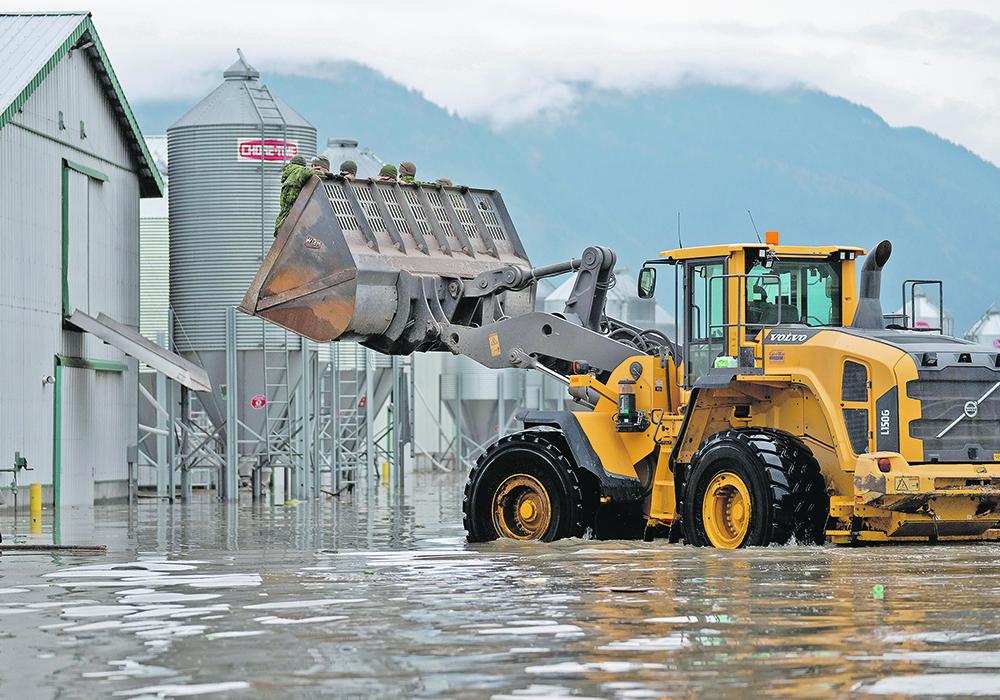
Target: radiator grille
[(854, 386), (857, 428), (943, 395)]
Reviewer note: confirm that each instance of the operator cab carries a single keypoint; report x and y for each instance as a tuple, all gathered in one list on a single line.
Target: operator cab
[(731, 293)]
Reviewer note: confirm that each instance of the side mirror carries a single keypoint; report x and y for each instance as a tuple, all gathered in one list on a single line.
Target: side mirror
[(647, 282)]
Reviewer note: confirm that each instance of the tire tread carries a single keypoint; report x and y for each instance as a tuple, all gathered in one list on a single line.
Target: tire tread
[(799, 504), (538, 441)]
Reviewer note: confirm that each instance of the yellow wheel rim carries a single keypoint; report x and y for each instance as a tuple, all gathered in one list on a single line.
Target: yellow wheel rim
[(522, 509), (725, 511)]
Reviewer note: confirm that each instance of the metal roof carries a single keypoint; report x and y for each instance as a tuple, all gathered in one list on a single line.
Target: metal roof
[(714, 251), (32, 43), (986, 325), (339, 150), (232, 104), (157, 208)]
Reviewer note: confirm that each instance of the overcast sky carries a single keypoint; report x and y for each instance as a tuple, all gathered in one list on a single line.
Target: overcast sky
[(914, 63)]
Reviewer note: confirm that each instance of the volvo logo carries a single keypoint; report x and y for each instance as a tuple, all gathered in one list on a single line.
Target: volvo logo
[(971, 408), (788, 338)]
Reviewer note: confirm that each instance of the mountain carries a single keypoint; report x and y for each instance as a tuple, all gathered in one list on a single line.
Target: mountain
[(619, 167)]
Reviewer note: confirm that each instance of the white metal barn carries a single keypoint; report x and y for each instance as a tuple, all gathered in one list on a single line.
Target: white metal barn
[(73, 166)]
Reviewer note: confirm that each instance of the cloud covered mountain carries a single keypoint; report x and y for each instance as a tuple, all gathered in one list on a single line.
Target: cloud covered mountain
[(620, 166)]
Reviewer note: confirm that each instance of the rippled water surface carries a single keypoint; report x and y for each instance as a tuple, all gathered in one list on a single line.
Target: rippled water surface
[(297, 601)]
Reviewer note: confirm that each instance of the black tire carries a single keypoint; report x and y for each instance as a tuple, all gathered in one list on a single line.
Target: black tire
[(787, 492), (529, 453)]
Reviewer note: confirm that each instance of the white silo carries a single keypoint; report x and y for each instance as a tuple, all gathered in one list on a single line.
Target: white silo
[(923, 313), (986, 330), (622, 303), (339, 150), (226, 155), (487, 398)]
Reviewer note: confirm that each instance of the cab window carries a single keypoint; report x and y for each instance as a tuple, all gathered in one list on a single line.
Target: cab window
[(793, 291), (706, 296)]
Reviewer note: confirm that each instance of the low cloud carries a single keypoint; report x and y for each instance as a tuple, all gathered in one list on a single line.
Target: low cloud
[(507, 62)]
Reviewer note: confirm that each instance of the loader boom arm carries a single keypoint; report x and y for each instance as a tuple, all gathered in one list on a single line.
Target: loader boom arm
[(412, 268)]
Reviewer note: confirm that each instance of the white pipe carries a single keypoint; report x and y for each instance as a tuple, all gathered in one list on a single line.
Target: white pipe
[(429, 456)]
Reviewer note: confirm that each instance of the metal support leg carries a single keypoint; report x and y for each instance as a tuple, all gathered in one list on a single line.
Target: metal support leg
[(402, 415), (370, 460), (171, 441), (458, 424), (412, 388), (162, 438), (395, 427), (186, 471), (335, 407), (232, 411), (170, 405), (307, 397), (317, 424)]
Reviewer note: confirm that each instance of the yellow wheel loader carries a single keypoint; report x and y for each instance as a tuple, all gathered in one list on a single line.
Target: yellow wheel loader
[(787, 408)]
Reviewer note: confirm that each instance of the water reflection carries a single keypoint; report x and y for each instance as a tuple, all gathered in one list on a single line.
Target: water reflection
[(202, 599)]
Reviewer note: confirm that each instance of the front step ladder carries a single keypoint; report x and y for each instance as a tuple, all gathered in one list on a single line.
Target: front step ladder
[(279, 429)]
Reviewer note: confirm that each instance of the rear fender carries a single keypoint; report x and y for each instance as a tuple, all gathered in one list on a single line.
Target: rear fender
[(620, 489)]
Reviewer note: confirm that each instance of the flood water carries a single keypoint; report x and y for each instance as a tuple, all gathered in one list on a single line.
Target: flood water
[(339, 599)]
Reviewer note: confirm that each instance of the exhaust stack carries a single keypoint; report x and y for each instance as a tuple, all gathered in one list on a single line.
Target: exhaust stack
[(869, 313)]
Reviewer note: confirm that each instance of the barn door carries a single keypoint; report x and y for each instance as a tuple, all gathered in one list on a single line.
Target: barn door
[(77, 467), (86, 437), (82, 211)]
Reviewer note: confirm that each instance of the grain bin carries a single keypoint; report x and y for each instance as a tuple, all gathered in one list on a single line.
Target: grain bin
[(480, 393), (226, 155), (339, 150), (986, 329)]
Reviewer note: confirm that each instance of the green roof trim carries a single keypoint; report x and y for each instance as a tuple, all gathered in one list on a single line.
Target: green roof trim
[(84, 170), (150, 183)]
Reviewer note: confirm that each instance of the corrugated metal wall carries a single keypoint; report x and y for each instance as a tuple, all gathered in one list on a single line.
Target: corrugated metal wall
[(154, 276), (32, 148)]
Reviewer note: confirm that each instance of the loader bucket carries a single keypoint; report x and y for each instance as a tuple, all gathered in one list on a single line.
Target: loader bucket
[(383, 263)]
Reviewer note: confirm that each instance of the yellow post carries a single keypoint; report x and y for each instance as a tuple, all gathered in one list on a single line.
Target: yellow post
[(36, 508), (385, 472)]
